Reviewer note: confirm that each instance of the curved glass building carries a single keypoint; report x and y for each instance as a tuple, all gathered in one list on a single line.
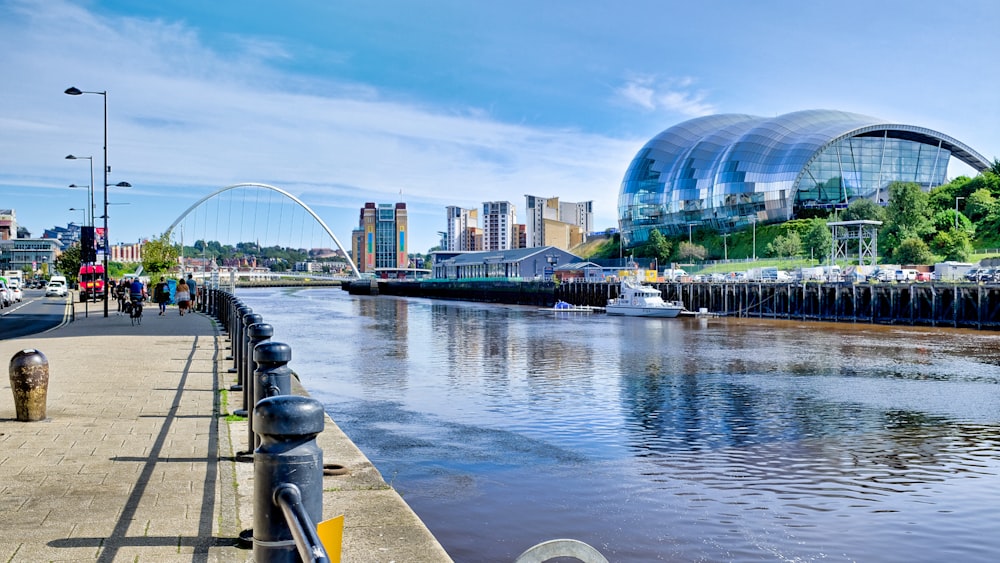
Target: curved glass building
[(728, 171)]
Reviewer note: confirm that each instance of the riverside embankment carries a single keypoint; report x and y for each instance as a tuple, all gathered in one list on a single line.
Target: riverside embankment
[(916, 304), (136, 459)]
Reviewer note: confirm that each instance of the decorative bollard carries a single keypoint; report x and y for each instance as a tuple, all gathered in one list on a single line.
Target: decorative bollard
[(243, 360), (288, 455), (259, 333), (29, 380), (272, 376), (236, 344)]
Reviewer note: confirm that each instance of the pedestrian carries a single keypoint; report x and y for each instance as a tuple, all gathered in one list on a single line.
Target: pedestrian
[(161, 295), (121, 293), (193, 289), (183, 296)]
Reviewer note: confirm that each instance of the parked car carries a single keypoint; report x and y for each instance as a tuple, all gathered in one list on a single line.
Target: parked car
[(56, 288), (6, 296)]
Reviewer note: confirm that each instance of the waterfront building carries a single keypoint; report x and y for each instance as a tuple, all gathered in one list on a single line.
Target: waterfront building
[(514, 264), (499, 218), (550, 222), (729, 171), (380, 241)]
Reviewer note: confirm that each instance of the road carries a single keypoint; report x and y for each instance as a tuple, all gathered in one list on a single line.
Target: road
[(35, 313)]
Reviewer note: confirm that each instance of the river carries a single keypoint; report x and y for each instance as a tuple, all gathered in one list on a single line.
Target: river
[(661, 440)]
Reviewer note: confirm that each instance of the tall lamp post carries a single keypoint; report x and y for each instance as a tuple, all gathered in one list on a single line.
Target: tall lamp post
[(91, 186), (956, 211), (74, 91)]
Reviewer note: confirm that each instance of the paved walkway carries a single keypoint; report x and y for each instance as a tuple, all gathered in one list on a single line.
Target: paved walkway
[(135, 463)]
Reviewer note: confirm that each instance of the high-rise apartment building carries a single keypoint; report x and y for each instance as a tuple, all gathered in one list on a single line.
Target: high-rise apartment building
[(8, 224), (380, 239), (568, 222), (499, 218), (463, 228)]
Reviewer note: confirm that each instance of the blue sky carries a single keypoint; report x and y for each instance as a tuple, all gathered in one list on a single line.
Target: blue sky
[(448, 102)]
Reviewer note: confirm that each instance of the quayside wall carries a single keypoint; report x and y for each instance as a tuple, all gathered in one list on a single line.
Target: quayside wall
[(925, 304)]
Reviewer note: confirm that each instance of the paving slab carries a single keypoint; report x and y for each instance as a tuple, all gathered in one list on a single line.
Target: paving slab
[(136, 459)]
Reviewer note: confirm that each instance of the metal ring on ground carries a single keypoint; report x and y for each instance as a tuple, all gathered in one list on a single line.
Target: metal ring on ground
[(561, 548), (334, 469)]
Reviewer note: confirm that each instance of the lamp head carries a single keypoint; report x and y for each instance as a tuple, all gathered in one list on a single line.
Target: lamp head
[(73, 91)]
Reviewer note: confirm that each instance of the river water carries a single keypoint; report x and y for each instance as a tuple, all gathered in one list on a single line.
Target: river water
[(661, 440)]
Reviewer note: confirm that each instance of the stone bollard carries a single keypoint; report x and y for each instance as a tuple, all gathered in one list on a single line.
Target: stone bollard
[(272, 376), (288, 455), (259, 333), (29, 380)]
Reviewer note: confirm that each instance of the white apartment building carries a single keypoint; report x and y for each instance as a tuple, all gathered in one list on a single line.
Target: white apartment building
[(498, 225), (461, 222)]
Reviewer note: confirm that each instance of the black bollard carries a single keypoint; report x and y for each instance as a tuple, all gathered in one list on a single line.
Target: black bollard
[(272, 376), (29, 380), (288, 455), (259, 333), (245, 360), (236, 343)]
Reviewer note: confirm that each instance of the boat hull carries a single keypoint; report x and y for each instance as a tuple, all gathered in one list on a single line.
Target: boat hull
[(630, 311)]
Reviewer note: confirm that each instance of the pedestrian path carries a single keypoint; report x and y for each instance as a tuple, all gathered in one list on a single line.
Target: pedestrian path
[(136, 461)]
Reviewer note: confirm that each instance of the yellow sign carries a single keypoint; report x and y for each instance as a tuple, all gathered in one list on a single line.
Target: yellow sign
[(331, 533)]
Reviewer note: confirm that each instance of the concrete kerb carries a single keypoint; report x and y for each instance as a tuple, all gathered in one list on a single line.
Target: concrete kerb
[(95, 479)]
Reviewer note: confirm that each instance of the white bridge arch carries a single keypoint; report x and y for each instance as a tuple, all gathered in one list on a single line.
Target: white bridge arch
[(282, 192)]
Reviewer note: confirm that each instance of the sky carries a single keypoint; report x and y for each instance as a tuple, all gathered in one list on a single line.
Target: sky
[(448, 102)]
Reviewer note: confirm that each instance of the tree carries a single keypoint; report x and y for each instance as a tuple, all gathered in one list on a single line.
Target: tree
[(953, 245), (68, 262), (690, 251), (864, 210), (979, 204), (818, 239), (906, 217), (159, 256), (913, 250), (786, 245), (658, 247)]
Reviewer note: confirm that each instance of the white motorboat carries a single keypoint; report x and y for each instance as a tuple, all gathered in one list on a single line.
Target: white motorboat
[(638, 300)]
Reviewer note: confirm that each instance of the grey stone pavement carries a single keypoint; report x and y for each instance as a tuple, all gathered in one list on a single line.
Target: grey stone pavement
[(136, 459)]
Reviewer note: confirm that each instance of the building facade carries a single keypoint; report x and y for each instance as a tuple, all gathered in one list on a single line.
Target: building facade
[(8, 224), (380, 241), (462, 224), (37, 254), (517, 264), (727, 172), (499, 218), (550, 222)]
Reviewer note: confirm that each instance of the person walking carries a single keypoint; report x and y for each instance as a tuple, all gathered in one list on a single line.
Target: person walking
[(183, 296), (161, 294), (193, 289)]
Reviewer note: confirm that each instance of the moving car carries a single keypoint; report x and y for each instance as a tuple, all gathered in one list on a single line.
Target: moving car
[(56, 287)]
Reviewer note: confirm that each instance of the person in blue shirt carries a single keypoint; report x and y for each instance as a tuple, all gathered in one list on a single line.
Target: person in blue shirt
[(191, 288)]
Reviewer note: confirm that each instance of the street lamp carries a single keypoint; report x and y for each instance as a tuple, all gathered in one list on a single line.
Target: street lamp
[(956, 211), (84, 209), (725, 246), (74, 91), (753, 220), (91, 186)]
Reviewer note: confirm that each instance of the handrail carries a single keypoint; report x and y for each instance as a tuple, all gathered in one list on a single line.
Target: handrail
[(288, 497)]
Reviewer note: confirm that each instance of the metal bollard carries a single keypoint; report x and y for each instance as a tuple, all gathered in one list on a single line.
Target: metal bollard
[(272, 376), (236, 341), (259, 333), (245, 360), (288, 455), (29, 380)]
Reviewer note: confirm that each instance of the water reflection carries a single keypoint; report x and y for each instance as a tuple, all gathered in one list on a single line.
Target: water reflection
[(664, 440)]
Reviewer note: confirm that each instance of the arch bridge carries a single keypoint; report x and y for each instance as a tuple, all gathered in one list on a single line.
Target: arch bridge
[(255, 216)]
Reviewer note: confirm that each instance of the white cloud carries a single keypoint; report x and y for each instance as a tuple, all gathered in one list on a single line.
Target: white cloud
[(670, 95), (184, 119)]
